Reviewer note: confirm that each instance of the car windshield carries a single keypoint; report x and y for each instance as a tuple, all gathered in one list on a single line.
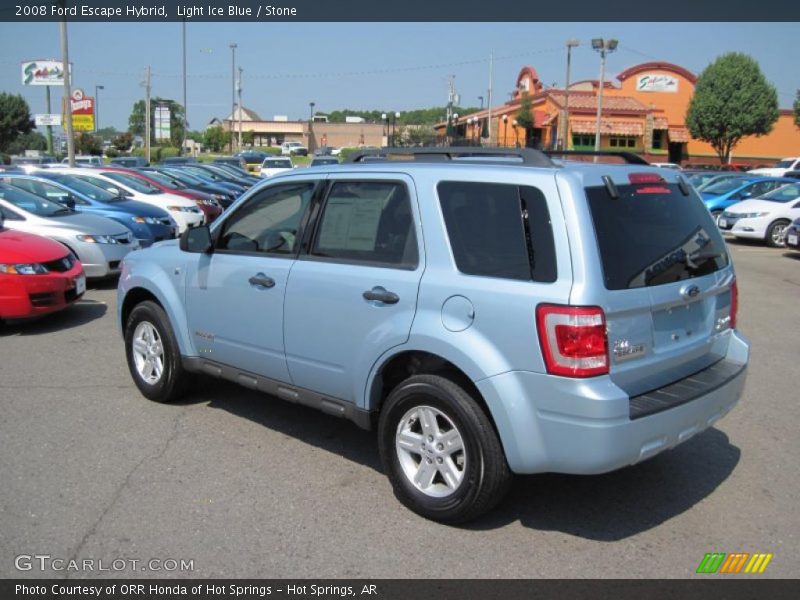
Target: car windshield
[(85, 188), (203, 173), (652, 235), (136, 184), (253, 157), (32, 203), (786, 193), (184, 176), (234, 170), (724, 186), (165, 180), (324, 161), (277, 163), (784, 164)]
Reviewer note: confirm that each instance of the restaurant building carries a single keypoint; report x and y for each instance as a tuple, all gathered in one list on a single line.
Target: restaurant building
[(642, 112)]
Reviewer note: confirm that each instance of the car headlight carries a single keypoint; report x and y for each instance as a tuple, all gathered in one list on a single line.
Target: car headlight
[(752, 215), (23, 269), (147, 220), (97, 239)]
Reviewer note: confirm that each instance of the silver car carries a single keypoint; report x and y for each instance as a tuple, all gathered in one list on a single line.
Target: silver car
[(99, 243)]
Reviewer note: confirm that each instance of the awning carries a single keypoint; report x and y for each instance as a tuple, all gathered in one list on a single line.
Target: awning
[(660, 123), (607, 127), (679, 134), (542, 118)]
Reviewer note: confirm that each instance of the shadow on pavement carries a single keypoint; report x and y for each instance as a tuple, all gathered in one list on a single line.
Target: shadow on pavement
[(606, 507), (621, 504), (80, 313)]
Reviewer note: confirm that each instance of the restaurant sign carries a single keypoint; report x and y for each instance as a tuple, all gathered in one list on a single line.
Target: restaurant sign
[(657, 83)]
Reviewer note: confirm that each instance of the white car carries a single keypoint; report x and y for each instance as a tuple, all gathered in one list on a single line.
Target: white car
[(183, 211), (780, 169), (83, 161), (293, 149), (764, 218), (666, 165), (274, 165)]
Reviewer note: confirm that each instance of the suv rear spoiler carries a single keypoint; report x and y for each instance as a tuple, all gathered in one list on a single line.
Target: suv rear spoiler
[(628, 157), (525, 156)]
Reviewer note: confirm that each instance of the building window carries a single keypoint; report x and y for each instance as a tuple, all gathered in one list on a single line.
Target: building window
[(586, 141), (658, 139), (622, 142)]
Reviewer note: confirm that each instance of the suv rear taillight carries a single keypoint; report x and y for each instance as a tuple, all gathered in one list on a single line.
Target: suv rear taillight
[(573, 339), (734, 302)]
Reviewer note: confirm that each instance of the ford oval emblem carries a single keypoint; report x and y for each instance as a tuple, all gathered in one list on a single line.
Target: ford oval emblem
[(690, 291)]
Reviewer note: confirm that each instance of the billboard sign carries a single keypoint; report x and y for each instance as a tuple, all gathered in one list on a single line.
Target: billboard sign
[(43, 72), (657, 83), (82, 111), (162, 116), (47, 119)]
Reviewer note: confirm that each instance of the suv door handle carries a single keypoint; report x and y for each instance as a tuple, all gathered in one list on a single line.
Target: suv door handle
[(379, 294), (261, 281)]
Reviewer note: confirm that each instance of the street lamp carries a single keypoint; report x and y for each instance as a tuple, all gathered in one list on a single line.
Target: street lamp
[(394, 126), (469, 129), (455, 125), (571, 43), (481, 99), (311, 105), (602, 46), (385, 120), (516, 139), (97, 89), (505, 130), (233, 89)]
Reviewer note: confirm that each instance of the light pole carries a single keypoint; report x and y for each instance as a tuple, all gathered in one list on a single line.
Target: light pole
[(239, 93), (505, 129), (97, 89), (233, 89), (481, 99), (516, 138), (185, 108), (571, 43), (602, 46), (394, 126), (469, 129), (311, 105), (385, 119)]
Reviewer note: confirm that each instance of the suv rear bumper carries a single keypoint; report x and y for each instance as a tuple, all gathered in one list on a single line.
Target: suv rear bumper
[(584, 426)]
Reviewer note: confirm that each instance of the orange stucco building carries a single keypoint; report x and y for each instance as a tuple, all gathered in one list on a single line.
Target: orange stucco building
[(643, 112)]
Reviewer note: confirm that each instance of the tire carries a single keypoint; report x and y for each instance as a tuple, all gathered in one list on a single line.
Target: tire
[(470, 480), (149, 336), (776, 233)]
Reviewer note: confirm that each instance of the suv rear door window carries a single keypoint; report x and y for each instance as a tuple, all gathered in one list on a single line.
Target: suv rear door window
[(499, 230), (653, 235), (368, 221)]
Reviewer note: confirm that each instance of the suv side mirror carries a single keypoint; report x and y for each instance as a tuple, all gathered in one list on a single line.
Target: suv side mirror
[(69, 201), (197, 240)]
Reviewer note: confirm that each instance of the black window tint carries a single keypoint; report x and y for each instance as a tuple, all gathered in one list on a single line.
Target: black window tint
[(652, 235), (269, 221), (368, 221), (499, 230)]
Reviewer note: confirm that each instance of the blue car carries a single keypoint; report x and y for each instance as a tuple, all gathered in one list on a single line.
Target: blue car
[(148, 223), (719, 196)]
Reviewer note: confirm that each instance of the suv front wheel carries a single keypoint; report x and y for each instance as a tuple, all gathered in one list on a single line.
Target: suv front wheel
[(154, 358), (440, 451)]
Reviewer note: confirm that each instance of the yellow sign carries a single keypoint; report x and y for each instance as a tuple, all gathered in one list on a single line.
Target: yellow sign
[(82, 122)]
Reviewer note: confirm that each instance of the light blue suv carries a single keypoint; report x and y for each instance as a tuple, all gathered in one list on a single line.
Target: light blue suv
[(489, 311)]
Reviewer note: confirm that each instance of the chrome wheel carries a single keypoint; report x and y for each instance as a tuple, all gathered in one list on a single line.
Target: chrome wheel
[(148, 353), (778, 234), (431, 451)]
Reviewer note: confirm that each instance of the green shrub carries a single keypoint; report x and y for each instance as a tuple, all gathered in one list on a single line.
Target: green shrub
[(346, 152), (112, 152), (168, 152)]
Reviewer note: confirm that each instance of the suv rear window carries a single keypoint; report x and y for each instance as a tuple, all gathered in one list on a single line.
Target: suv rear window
[(499, 230), (652, 235)]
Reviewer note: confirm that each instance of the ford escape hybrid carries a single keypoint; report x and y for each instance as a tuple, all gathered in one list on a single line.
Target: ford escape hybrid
[(489, 312)]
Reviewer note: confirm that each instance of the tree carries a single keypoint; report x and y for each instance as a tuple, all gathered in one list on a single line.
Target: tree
[(216, 138), (248, 137), (797, 109), (123, 141), (732, 99), (32, 140), (106, 133), (137, 119), (15, 119), (86, 143), (525, 116)]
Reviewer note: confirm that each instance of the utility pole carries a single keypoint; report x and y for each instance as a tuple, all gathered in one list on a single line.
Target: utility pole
[(603, 47), (49, 127), (67, 101), (571, 43), (147, 114), (233, 89), (489, 95), (185, 108), (239, 91)]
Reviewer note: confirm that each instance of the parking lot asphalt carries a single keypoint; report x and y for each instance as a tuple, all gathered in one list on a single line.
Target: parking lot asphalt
[(245, 485)]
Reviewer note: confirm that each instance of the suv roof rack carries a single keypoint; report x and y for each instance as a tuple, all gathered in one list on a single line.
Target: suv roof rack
[(527, 156), (629, 157)]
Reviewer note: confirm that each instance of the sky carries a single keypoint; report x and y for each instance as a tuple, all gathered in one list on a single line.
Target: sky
[(385, 66)]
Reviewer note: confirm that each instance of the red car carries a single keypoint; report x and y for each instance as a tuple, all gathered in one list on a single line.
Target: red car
[(37, 275), (210, 207)]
